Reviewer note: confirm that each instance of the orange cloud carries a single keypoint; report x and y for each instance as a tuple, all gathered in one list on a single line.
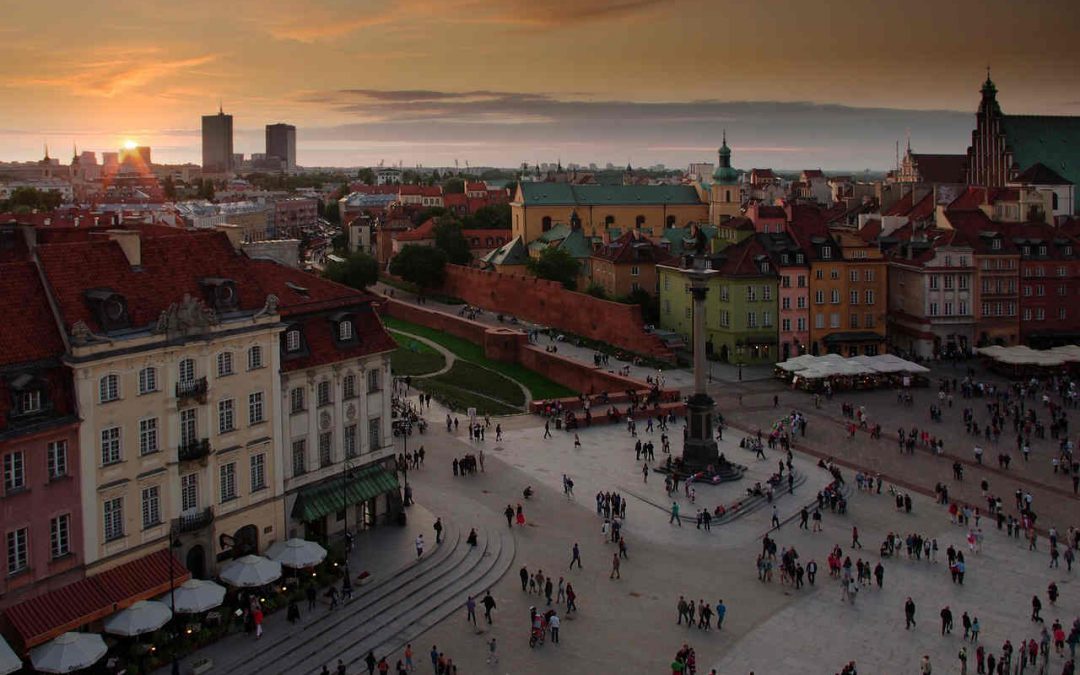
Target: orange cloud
[(126, 71), (306, 30)]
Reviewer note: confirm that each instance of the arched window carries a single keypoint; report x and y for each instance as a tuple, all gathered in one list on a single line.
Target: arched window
[(727, 195), (254, 357), (147, 380), (186, 371), (1054, 201), (224, 364), (545, 223), (292, 340), (348, 386), (109, 388)]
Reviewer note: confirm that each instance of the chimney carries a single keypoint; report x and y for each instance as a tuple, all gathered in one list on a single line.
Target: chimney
[(235, 233), (130, 243)]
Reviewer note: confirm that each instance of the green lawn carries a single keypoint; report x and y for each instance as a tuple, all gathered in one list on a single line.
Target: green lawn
[(539, 386), (460, 400), (414, 357), (469, 376)]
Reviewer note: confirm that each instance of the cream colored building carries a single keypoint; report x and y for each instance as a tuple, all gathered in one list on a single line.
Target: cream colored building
[(173, 346)]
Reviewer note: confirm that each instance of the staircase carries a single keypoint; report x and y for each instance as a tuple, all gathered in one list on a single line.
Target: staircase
[(384, 616)]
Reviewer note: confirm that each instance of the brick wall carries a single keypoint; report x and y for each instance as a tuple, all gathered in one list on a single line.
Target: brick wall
[(548, 303)]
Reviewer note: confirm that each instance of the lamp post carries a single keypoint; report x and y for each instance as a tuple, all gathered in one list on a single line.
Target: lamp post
[(174, 543), (739, 357)]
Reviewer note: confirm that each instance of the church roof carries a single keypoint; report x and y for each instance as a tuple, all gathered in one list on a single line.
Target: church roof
[(560, 194), (937, 168), (1040, 174), (1053, 141)]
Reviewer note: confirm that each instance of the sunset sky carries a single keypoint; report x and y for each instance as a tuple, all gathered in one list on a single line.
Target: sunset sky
[(829, 84)]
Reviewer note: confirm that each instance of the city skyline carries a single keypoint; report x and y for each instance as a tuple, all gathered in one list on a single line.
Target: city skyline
[(505, 82)]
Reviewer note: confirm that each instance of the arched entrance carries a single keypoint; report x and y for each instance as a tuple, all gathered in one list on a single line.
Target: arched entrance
[(787, 351), (724, 353), (196, 561), (245, 541)]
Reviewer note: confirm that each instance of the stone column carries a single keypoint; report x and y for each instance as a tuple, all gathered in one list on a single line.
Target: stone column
[(698, 289)]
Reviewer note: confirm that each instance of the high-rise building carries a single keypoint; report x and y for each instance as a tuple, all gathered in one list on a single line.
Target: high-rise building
[(217, 143), (281, 143)]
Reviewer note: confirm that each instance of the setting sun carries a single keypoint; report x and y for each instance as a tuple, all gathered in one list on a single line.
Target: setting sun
[(130, 144)]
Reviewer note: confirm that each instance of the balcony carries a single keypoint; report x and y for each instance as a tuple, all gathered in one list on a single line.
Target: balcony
[(193, 450), (192, 389), (190, 522)]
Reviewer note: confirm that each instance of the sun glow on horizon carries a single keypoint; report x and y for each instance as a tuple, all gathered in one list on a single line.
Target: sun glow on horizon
[(130, 144)]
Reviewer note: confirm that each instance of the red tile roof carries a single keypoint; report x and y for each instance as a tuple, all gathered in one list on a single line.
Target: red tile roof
[(476, 187), (812, 173), (634, 247), (923, 209), (40, 619), (422, 232), (29, 333), (422, 190), (941, 168), (1040, 174), (771, 212), (740, 259), (455, 199)]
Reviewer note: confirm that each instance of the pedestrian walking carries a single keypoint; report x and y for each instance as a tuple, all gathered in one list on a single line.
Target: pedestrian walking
[(493, 656), (909, 613), (553, 624), (675, 514), (438, 527), (489, 604), (614, 567), (775, 518), (721, 612), (924, 668), (855, 543), (524, 574), (509, 513), (575, 556), (470, 610), (408, 658), (312, 596), (419, 546), (370, 661)]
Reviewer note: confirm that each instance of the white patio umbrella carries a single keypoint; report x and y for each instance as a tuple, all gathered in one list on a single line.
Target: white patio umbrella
[(194, 596), (142, 617), (69, 652), (251, 571), (9, 660), (296, 553)]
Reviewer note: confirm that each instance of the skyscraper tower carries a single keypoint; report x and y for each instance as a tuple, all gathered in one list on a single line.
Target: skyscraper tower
[(217, 143), (281, 143)]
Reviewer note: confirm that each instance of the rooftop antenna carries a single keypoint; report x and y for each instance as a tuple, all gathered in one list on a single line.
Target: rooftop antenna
[(220, 107)]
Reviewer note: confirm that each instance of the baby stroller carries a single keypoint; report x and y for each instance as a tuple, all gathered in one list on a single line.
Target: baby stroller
[(539, 628)]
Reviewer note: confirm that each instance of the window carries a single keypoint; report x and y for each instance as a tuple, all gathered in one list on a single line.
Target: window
[(785, 281), (1027, 314), (948, 261), (30, 401), (147, 380), (963, 282), (18, 551), (819, 321), (109, 388), (948, 309), (826, 252), (869, 296), (766, 319), (854, 320), (114, 518), (819, 297), (322, 393), (292, 340), (835, 297), (345, 331), (819, 274), (1042, 249), (935, 282), (1027, 290), (800, 302), (751, 320), (854, 299), (258, 471), (766, 293), (224, 364), (226, 421), (802, 281), (724, 293), (995, 244), (986, 309), (60, 536), (834, 273), (1062, 290), (186, 370), (296, 399), (227, 473), (635, 271), (255, 357), (373, 380), (869, 321), (834, 320), (348, 386), (14, 471), (962, 307), (800, 323), (57, 459), (148, 436), (299, 457), (933, 309), (1040, 271), (189, 492), (255, 408), (785, 325), (725, 318), (1040, 314), (188, 427), (151, 506), (1061, 312), (785, 303), (326, 441), (751, 294), (853, 276), (1040, 290), (949, 281), (110, 445), (375, 433)]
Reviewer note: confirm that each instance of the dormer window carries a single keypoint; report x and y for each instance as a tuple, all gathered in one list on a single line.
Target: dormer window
[(292, 340), (1068, 250), (765, 267), (799, 258), (1026, 250), (995, 244), (220, 293), (110, 309), (826, 252), (345, 330), (29, 402), (1042, 250)]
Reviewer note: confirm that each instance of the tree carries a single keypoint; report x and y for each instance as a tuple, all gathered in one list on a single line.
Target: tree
[(490, 217), (424, 266), (330, 211), (29, 199), (454, 186), (555, 264), (430, 212), (206, 189), (449, 238), (340, 242), (359, 270), (597, 291), (410, 177), (367, 176), (650, 306)]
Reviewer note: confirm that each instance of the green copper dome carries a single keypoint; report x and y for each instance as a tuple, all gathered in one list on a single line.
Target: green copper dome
[(724, 173)]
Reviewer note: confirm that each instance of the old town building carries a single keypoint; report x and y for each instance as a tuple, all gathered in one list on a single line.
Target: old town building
[(627, 265), (997, 263)]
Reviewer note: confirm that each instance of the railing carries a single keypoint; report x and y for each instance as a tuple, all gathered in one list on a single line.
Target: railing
[(193, 450), (191, 388), (197, 520)]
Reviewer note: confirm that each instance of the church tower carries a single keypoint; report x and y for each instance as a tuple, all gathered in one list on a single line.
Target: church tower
[(987, 161), (724, 195)]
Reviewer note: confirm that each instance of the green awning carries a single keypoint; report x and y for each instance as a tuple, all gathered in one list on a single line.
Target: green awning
[(316, 501)]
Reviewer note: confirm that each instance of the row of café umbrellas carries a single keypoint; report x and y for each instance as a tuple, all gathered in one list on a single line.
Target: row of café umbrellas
[(76, 651)]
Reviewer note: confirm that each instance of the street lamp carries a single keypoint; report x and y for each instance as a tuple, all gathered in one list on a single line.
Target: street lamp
[(739, 357), (174, 543)]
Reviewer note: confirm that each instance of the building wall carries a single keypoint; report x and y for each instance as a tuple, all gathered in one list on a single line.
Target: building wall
[(1048, 289), (795, 339), (826, 276), (127, 478), (997, 299), (619, 280), (528, 221), (724, 201), (34, 508)]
